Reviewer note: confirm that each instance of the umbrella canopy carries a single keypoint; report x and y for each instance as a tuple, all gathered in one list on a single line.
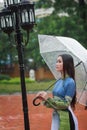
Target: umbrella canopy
[(52, 46)]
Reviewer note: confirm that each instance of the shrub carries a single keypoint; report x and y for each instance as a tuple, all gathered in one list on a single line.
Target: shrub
[(15, 81), (4, 77)]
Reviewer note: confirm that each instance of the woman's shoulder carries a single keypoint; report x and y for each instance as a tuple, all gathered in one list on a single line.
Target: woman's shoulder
[(70, 80)]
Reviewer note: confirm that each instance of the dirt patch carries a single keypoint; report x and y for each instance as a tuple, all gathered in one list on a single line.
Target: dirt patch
[(11, 114)]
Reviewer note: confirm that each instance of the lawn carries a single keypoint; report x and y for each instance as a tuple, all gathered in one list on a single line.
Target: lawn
[(14, 86)]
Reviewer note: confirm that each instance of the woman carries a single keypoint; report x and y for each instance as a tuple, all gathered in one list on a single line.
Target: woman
[(64, 96)]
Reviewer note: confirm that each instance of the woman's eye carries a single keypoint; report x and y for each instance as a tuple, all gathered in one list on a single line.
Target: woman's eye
[(59, 61)]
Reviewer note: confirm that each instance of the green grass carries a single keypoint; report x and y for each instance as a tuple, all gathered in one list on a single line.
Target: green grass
[(14, 86)]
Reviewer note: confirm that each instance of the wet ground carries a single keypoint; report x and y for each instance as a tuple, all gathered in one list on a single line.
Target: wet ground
[(11, 114)]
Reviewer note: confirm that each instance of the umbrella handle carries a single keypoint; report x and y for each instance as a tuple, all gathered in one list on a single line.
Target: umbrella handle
[(41, 98), (34, 100)]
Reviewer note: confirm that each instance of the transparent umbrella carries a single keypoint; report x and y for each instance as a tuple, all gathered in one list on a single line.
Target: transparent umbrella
[(52, 46)]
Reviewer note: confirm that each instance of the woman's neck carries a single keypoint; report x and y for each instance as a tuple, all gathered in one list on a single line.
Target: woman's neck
[(62, 76)]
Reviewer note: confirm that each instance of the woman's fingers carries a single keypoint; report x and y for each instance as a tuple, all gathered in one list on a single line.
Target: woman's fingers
[(42, 94)]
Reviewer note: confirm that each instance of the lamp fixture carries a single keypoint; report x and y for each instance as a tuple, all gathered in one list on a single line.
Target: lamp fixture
[(15, 16)]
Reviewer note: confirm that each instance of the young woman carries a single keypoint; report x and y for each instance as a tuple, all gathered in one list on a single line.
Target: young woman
[(64, 96)]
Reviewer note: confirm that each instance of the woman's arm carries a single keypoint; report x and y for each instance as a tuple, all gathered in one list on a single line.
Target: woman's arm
[(57, 103)]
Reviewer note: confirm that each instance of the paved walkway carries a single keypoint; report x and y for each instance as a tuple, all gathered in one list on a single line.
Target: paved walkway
[(11, 114)]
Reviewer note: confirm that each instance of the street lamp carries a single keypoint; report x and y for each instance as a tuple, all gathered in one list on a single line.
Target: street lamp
[(17, 15)]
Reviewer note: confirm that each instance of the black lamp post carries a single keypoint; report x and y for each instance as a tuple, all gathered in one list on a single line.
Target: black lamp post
[(15, 15)]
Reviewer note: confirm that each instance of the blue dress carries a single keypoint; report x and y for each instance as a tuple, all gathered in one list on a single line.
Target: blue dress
[(64, 87), (63, 116)]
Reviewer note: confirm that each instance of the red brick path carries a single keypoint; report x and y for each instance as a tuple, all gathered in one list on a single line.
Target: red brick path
[(11, 114)]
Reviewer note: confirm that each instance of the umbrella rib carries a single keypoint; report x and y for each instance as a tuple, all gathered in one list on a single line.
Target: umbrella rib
[(78, 64), (52, 85), (82, 92)]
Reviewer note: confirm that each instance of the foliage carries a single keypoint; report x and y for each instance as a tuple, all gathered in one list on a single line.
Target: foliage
[(31, 86), (74, 25), (71, 25), (77, 11), (15, 81), (43, 4), (7, 46), (4, 77), (64, 26)]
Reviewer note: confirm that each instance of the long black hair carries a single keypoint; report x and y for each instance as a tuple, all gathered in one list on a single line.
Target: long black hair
[(68, 68)]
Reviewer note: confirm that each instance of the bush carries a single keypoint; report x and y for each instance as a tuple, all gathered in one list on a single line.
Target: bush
[(4, 77), (15, 81)]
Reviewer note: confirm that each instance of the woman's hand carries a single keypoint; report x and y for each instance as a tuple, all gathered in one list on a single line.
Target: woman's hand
[(42, 94)]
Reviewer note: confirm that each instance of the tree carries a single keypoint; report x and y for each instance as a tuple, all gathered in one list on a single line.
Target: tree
[(43, 4), (77, 10), (72, 24)]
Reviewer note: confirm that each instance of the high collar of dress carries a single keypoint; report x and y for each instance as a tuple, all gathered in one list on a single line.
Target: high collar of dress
[(66, 76)]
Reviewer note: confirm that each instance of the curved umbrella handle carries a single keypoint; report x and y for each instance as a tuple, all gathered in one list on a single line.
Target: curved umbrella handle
[(34, 101)]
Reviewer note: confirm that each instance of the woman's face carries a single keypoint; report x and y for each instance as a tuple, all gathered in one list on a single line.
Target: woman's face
[(59, 64)]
